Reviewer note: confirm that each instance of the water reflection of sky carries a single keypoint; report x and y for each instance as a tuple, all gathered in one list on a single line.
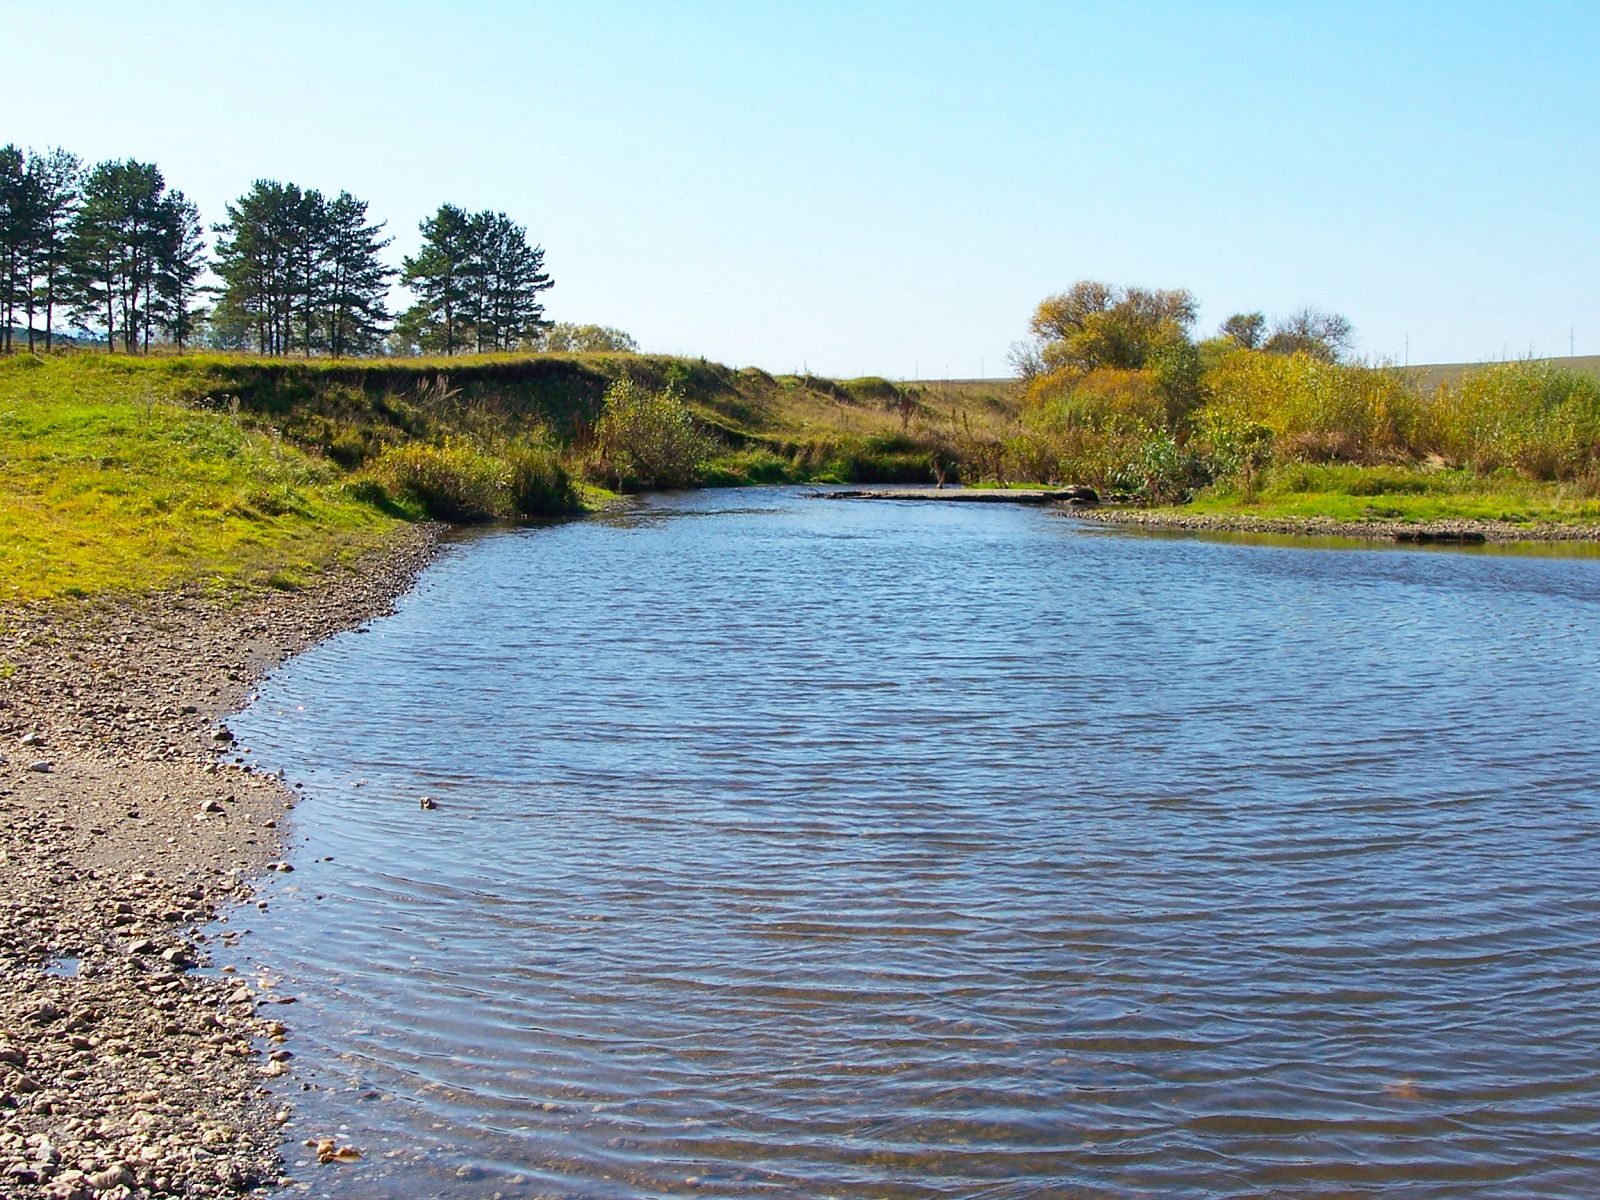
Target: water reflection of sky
[(917, 850)]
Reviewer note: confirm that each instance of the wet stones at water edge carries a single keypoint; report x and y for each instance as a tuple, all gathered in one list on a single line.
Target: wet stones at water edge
[(1459, 537), (124, 1072)]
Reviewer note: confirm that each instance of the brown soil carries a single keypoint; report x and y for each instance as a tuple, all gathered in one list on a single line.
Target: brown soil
[(125, 824)]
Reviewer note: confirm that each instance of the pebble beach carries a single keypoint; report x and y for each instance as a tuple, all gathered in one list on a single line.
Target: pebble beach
[(128, 1066)]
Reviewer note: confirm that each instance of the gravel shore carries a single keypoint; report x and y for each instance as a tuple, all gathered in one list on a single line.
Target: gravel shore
[(127, 1069), (1455, 530)]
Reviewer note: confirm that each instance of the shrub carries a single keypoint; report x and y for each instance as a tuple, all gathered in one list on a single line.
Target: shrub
[(646, 439), (451, 481), (1234, 447), (1087, 427), (464, 483), (1315, 410), (1535, 417), (537, 484), (1162, 472)]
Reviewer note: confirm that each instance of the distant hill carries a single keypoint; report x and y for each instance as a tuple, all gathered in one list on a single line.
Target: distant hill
[(19, 337), (1431, 376)]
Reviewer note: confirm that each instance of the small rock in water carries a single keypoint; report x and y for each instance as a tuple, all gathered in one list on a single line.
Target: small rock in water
[(223, 735), (329, 1151), (428, 804)]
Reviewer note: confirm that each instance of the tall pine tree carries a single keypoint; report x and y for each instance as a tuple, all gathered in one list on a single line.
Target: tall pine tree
[(180, 262), (58, 176), (438, 273), (300, 272), (114, 248), (18, 225), (478, 283), (356, 283)]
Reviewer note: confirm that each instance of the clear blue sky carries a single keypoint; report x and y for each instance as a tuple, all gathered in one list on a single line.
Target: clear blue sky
[(890, 188)]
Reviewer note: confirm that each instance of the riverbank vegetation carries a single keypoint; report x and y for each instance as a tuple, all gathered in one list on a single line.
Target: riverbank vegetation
[(223, 470), (1118, 393), (131, 472)]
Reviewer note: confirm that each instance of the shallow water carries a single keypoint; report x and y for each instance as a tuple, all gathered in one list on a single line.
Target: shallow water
[(802, 849)]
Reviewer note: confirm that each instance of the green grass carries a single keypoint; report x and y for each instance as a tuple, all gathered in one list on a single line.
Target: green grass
[(1391, 493), (122, 473), (100, 492)]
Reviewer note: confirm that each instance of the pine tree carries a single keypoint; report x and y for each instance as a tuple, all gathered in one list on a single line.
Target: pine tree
[(113, 247), (179, 264), (357, 282), (300, 271), (258, 261), (60, 175), (17, 234), (438, 272), (478, 282)]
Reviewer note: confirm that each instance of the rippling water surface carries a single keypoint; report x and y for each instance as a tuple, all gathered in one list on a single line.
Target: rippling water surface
[(831, 849)]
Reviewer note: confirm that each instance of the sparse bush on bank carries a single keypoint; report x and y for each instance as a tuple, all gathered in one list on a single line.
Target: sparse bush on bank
[(646, 438), (465, 483)]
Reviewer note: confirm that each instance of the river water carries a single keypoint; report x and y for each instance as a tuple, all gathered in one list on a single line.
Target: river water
[(791, 848)]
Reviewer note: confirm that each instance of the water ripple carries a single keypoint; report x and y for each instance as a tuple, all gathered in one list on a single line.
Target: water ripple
[(797, 849)]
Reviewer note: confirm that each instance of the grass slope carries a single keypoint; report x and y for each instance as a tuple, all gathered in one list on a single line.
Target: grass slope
[(107, 489), (126, 473), (1430, 375)]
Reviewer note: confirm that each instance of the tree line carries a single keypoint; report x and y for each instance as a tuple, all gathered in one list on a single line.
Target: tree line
[(111, 247), (118, 254)]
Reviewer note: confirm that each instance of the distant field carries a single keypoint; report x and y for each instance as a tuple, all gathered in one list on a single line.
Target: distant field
[(1430, 376)]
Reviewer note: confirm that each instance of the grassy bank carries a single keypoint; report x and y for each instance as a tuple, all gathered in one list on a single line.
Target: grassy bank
[(1287, 435), (105, 490), (122, 473), (1419, 494)]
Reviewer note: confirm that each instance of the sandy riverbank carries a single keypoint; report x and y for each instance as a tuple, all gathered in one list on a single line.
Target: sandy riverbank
[(1488, 531), (124, 827)]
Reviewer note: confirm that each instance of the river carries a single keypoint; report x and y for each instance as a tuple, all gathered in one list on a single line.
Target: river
[(860, 850)]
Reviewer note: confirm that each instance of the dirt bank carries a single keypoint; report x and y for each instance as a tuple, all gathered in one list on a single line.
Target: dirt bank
[(124, 826), (1452, 530)]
